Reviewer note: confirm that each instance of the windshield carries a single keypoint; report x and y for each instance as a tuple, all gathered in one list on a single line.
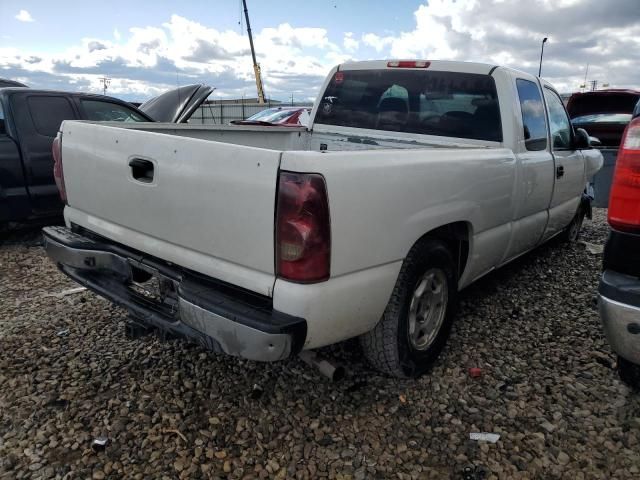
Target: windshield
[(262, 116), (604, 118), (450, 104)]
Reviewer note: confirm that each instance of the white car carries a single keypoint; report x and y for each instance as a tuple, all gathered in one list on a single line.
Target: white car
[(413, 179)]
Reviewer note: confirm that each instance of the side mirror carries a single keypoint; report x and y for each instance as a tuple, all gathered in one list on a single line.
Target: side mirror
[(595, 142), (582, 140)]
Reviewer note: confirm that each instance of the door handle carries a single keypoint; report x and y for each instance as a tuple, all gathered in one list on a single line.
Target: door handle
[(559, 171), (141, 170)]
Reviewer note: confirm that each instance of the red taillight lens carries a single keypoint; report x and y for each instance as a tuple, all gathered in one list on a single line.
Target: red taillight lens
[(408, 64), (58, 173), (303, 231), (624, 203)]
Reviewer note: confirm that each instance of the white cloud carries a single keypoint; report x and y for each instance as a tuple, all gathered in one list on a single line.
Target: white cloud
[(350, 44), (145, 60), (509, 32), (377, 42), (24, 16)]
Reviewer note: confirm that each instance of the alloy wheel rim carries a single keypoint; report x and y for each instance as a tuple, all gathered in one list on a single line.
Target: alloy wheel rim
[(428, 308)]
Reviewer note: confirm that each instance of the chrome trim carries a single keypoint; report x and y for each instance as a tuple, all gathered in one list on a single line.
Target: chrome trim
[(86, 259), (616, 316), (235, 338)]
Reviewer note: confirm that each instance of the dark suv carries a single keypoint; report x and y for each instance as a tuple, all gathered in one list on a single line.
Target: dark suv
[(619, 290)]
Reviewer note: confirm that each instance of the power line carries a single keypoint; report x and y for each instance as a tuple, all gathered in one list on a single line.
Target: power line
[(106, 81)]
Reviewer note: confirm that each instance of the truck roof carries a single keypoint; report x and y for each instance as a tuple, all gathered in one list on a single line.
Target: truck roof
[(436, 65), (10, 90)]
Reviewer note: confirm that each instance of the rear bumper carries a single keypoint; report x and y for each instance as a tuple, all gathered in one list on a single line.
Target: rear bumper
[(220, 317), (619, 305)]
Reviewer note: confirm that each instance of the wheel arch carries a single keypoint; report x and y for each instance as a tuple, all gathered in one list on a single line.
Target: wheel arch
[(457, 238)]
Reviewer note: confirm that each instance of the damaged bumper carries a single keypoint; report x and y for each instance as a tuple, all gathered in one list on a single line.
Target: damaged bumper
[(218, 316)]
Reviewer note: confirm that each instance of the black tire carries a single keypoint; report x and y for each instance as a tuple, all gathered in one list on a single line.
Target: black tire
[(629, 373), (572, 232), (388, 347)]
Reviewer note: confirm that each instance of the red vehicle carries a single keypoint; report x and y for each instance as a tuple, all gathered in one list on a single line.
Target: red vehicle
[(603, 113), (281, 116), (619, 289)]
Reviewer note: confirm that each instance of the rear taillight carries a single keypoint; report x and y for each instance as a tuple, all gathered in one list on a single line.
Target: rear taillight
[(58, 173), (303, 231), (624, 203)]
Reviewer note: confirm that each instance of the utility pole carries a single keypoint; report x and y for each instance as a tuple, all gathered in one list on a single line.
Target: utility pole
[(105, 84), (256, 66), (594, 85), (544, 40)]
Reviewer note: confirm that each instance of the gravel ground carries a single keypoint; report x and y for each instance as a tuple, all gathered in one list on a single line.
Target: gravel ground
[(548, 386)]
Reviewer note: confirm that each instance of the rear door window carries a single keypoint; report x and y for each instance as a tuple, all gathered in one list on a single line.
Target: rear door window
[(450, 104), (48, 112), (109, 112), (533, 115)]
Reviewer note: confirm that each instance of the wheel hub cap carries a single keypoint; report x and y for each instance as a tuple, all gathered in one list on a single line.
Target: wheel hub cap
[(428, 308)]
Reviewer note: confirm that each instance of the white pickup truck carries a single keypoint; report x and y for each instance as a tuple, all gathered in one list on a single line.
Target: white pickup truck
[(413, 179)]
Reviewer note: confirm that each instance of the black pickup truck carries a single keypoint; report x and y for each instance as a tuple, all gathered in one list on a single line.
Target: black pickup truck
[(29, 121)]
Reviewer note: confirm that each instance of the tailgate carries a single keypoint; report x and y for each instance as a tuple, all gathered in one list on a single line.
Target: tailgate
[(209, 206)]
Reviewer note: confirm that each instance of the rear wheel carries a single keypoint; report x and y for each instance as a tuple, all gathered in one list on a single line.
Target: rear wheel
[(417, 320), (629, 373)]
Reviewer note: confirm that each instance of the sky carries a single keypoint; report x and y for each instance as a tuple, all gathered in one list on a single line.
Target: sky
[(146, 47)]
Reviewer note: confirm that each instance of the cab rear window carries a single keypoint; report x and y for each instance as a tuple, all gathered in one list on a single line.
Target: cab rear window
[(450, 104)]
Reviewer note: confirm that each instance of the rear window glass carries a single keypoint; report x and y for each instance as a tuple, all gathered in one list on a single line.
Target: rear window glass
[(450, 104), (109, 112), (48, 112), (582, 104)]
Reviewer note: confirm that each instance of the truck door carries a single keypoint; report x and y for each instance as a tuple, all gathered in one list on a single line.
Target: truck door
[(534, 184), (37, 118), (14, 201), (569, 166)]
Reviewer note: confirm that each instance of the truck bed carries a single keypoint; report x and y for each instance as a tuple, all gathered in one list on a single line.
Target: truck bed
[(210, 204)]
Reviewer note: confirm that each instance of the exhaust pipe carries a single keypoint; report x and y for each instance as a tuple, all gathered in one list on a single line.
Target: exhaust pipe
[(332, 372)]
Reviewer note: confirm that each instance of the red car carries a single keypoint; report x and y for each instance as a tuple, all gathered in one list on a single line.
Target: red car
[(281, 116)]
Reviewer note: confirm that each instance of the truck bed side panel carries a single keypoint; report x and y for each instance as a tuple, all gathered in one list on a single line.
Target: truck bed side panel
[(383, 201)]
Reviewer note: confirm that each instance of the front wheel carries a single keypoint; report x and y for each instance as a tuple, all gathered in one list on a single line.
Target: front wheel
[(572, 232), (417, 320)]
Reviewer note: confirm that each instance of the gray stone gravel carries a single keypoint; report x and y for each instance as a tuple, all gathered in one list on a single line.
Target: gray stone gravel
[(171, 410)]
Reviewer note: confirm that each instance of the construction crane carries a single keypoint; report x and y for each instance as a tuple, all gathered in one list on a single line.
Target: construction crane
[(256, 66)]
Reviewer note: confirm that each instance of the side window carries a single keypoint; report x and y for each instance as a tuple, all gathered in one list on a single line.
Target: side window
[(48, 112), (559, 123), (533, 115), (109, 112)]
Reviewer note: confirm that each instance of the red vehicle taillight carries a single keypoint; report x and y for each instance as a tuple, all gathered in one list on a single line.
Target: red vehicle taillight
[(303, 231), (58, 173), (624, 203)]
